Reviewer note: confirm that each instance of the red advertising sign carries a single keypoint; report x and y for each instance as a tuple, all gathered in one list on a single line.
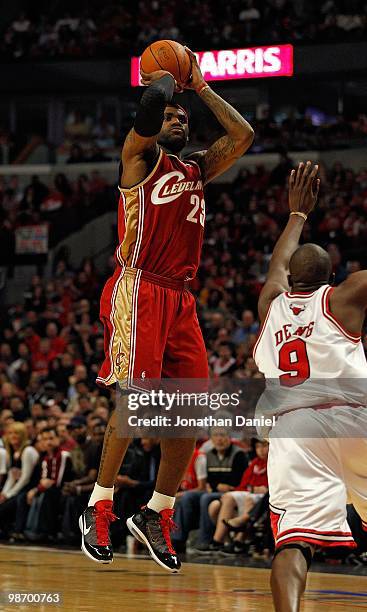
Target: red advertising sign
[(252, 63)]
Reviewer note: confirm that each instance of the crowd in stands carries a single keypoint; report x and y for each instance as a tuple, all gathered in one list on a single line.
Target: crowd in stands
[(52, 414), (64, 206), (306, 132), (89, 138), (122, 29)]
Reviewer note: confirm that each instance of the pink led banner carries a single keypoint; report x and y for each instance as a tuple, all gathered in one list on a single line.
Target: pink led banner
[(253, 63)]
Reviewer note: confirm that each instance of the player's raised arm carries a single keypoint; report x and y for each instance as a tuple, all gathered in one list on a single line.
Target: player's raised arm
[(303, 192), (140, 148), (226, 150)]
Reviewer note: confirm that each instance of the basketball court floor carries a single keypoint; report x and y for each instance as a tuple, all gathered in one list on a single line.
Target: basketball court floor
[(134, 584)]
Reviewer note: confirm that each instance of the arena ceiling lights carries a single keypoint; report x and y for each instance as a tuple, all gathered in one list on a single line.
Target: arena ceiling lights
[(230, 64)]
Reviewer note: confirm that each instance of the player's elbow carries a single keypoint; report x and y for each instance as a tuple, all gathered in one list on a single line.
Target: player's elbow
[(245, 138)]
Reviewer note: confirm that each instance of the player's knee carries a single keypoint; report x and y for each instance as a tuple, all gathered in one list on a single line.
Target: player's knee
[(307, 550)]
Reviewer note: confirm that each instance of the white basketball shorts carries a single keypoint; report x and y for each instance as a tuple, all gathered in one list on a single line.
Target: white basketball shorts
[(311, 480)]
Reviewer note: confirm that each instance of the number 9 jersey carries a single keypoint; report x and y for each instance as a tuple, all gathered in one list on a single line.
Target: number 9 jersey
[(161, 220), (301, 345)]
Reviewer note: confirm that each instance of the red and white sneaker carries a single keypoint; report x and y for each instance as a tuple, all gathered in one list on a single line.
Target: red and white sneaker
[(94, 524), (154, 530)]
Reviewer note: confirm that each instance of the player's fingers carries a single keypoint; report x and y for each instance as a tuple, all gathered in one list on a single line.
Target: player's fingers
[(305, 174), (191, 54), (312, 175), (299, 173), (316, 189), (291, 178)]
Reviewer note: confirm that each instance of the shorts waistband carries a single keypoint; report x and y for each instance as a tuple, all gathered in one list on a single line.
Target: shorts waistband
[(156, 279)]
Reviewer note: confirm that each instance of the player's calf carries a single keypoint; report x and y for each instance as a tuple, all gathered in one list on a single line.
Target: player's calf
[(288, 575)]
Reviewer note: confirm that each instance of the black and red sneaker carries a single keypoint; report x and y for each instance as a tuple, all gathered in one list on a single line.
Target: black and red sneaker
[(94, 524), (154, 530)]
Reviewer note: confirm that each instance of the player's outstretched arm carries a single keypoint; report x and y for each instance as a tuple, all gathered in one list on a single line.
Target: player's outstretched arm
[(140, 148), (348, 301), (226, 150), (303, 192)]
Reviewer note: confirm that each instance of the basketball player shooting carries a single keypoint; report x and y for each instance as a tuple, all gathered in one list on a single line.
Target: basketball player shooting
[(151, 326), (311, 334)]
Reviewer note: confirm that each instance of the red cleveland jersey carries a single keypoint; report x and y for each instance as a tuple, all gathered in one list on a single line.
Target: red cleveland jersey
[(161, 220)]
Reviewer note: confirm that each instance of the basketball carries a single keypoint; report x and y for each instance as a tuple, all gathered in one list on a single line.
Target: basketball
[(167, 55)]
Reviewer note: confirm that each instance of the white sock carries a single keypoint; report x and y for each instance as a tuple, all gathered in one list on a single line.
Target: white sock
[(99, 493), (159, 502)]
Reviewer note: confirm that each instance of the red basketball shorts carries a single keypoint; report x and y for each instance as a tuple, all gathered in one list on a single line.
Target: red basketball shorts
[(151, 330)]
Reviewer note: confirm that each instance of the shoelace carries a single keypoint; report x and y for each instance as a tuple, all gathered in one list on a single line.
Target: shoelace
[(167, 525), (103, 519)]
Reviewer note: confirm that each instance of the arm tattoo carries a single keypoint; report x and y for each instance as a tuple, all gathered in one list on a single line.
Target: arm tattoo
[(234, 124), (224, 152)]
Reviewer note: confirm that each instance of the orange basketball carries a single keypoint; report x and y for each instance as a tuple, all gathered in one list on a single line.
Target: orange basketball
[(167, 55)]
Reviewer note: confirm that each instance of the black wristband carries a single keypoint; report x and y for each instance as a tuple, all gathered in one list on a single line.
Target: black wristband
[(149, 118)]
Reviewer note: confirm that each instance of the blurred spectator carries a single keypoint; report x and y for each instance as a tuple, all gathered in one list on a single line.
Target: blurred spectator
[(226, 463), (247, 327), (21, 461), (224, 362), (196, 474), (38, 509), (104, 133), (78, 126), (233, 509)]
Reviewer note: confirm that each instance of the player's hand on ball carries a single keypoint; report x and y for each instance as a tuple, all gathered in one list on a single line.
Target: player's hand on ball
[(147, 78), (196, 79), (303, 188)]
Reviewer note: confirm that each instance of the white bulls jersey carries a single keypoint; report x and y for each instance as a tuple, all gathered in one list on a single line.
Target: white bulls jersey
[(301, 346)]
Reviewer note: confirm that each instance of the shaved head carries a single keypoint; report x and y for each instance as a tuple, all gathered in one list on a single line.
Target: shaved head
[(310, 266)]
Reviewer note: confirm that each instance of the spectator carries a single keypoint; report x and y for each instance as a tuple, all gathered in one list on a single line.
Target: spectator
[(38, 509), (223, 364), (253, 485), (226, 463), (42, 358), (78, 126), (21, 462), (104, 133), (196, 474), (57, 344), (67, 442), (247, 327)]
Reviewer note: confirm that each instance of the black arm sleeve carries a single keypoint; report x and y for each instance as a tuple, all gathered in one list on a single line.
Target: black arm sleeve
[(149, 117)]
